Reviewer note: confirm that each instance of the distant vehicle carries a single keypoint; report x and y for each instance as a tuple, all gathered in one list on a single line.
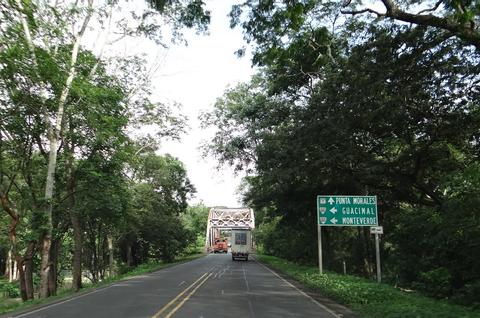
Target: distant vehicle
[(220, 246), (241, 244)]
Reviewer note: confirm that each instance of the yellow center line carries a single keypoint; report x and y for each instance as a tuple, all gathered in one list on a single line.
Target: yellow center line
[(178, 296), (188, 297)]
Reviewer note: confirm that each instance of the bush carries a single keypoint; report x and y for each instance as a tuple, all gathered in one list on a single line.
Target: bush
[(469, 295), (435, 283), (11, 290), (368, 298), (124, 268)]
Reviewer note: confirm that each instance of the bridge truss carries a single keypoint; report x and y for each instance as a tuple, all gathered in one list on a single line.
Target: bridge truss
[(220, 218)]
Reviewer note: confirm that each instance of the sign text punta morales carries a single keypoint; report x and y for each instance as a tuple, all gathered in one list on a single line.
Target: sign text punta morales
[(342, 210)]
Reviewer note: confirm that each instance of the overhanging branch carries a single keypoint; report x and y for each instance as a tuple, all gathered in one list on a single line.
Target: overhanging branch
[(464, 31), (355, 12)]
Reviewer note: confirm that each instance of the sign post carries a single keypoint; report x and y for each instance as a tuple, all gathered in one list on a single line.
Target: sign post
[(320, 258), (377, 249), (346, 210), (377, 230)]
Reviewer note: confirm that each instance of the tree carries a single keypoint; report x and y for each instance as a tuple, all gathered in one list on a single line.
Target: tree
[(382, 117), (61, 108), (269, 21), (153, 229), (244, 116), (457, 18), (195, 220)]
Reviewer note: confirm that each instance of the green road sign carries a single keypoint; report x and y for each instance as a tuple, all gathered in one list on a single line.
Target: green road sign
[(346, 210)]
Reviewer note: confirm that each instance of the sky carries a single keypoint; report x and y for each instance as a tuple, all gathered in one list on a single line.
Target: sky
[(195, 76)]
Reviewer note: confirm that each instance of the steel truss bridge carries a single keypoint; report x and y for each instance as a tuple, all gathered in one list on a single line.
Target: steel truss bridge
[(221, 218)]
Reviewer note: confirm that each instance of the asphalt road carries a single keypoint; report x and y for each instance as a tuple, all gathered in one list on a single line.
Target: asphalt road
[(212, 286)]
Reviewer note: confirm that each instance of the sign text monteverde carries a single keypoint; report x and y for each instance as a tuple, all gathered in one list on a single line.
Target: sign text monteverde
[(343, 210)]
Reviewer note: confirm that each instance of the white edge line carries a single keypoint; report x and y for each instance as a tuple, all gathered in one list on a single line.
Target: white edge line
[(301, 292), (63, 302)]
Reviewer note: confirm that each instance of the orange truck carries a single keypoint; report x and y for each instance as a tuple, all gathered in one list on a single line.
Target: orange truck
[(220, 246)]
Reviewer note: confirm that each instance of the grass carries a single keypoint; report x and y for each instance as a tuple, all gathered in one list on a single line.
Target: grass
[(9, 304), (368, 298)]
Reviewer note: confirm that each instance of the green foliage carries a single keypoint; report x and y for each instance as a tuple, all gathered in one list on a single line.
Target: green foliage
[(273, 24), (195, 221), (366, 297), (65, 293), (380, 115), (468, 295), (437, 282), (277, 238), (183, 13), (10, 289), (124, 269), (96, 160), (153, 223)]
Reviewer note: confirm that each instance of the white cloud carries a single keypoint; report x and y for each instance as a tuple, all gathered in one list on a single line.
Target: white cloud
[(195, 76)]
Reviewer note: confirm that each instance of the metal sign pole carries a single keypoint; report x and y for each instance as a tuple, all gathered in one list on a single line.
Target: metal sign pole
[(377, 250), (320, 259)]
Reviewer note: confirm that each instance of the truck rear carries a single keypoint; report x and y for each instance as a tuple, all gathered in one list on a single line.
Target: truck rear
[(241, 244)]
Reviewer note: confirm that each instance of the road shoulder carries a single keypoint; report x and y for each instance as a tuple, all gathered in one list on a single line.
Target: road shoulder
[(332, 306)]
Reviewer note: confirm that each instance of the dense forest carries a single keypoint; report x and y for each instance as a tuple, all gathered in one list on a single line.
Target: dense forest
[(350, 98), (375, 99), (82, 188)]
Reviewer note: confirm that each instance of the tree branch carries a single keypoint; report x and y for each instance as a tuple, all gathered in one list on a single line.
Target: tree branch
[(464, 31), (435, 7), (355, 12)]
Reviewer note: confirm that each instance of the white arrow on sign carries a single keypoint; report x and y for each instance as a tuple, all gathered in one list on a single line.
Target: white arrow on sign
[(334, 221), (333, 210), (330, 201)]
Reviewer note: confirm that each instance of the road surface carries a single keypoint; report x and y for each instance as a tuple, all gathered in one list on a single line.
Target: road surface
[(212, 286)]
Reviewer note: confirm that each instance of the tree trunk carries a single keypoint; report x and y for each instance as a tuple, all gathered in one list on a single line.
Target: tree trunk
[(8, 267), (29, 279), (28, 261), (77, 251), (54, 137), (129, 254), (368, 260), (360, 250), (94, 266), (21, 279), (76, 224), (110, 255), (26, 282), (46, 243), (25, 276), (25, 269), (52, 277), (15, 270)]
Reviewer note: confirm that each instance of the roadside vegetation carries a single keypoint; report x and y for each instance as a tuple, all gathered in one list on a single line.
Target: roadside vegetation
[(347, 101), (84, 194), (15, 303), (366, 297)]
